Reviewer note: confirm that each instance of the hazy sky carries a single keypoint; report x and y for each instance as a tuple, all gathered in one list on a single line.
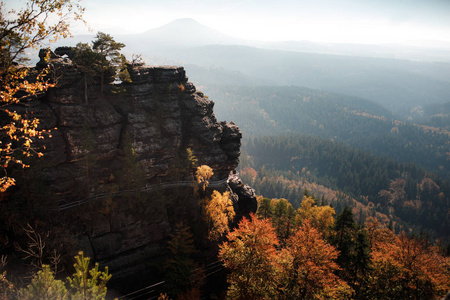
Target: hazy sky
[(419, 22)]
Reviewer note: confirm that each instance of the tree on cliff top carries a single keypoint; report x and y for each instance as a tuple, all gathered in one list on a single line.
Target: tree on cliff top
[(110, 58), (29, 28), (84, 59)]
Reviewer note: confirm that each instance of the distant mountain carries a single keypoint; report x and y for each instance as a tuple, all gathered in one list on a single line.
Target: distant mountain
[(188, 33), (365, 50), (181, 33), (401, 85)]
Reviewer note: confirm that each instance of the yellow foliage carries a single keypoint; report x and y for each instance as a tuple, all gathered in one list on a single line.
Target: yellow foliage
[(20, 30), (321, 217), (218, 212), (5, 183), (203, 174)]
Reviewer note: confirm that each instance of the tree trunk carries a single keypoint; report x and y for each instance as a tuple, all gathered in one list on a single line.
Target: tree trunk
[(102, 75), (85, 89)]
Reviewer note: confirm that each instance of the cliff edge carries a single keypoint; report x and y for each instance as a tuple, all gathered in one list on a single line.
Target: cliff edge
[(117, 174)]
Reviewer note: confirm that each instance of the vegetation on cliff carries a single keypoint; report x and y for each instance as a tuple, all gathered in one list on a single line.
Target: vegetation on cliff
[(29, 28)]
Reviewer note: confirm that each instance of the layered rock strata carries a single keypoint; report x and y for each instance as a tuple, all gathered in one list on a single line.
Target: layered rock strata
[(157, 116)]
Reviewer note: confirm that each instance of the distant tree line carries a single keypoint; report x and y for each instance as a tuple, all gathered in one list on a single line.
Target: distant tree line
[(400, 191), (362, 124)]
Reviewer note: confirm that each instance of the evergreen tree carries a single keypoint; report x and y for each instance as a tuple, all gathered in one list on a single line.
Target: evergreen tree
[(44, 286), (85, 60), (180, 266), (265, 208), (109, 59), (352, 242)]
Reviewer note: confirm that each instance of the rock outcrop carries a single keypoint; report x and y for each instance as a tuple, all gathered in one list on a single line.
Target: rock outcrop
[(160, 111), (157, 116)]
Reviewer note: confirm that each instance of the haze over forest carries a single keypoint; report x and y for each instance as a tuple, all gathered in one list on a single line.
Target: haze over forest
[(227, 149), (374, 76)]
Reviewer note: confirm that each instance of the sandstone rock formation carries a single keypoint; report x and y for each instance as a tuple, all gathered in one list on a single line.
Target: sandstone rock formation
[(159, 115)]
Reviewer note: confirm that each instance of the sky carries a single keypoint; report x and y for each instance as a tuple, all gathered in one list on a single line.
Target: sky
[(406, 22)]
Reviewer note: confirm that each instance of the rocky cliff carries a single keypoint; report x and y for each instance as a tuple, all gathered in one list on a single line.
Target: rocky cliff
[(117, 167)]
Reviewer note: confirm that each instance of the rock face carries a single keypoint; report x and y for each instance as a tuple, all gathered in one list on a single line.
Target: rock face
[(160, 111), (156, 118)]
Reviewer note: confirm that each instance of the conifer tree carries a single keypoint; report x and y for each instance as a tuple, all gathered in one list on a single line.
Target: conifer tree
[(180, 265), (109, 59), (44, 286), (88, 284), (85, 59), (265, 208)]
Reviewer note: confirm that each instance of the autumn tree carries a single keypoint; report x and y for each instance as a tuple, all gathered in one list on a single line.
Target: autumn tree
[(321, 217), (109, 56), (308, 267), (29, 28), (202, 175), (405, 267), (218, 212), (250, 256), (191, 159)]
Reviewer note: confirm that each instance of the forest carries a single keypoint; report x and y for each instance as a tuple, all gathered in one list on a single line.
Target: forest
[(266, 110), (283, 253), (407, 194), (351, 202)]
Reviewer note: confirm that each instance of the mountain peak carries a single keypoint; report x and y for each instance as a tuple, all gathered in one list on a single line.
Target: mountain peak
[(188, 32), (184, 21)]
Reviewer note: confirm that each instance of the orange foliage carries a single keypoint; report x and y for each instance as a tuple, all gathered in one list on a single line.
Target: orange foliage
[(406, 266), (250, 255), (308, 267)]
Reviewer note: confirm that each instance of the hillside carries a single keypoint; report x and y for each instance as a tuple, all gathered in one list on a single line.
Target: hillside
[(399, 85), (408, 195), (362, 124)]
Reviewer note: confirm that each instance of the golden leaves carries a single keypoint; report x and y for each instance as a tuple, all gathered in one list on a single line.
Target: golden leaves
[(218, 212), (38, 21), (203, 174), (321, 217), (5, 183)]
